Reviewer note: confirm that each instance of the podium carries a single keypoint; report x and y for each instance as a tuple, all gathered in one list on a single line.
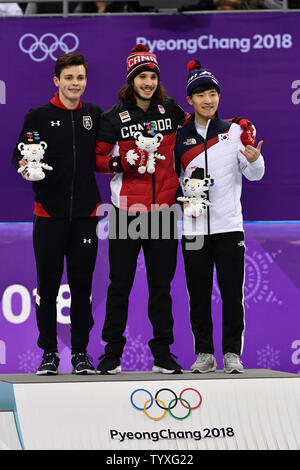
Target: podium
[(9, 439), (257, 410)]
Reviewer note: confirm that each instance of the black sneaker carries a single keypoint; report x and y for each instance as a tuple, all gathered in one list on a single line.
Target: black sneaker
[(49, 364), (166, 364), (109, 365), (81, 363)]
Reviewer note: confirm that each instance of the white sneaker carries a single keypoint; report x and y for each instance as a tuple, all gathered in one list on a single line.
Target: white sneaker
[(232, 364), (204, 363)]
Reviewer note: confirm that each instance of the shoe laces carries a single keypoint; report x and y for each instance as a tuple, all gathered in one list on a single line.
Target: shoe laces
[(83, 358), (204, 356), (233, 357), (171, 355), (105, 357), (49, 358)]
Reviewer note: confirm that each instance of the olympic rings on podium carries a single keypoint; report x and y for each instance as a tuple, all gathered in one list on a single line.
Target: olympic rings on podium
[(152, 417), (141, 390), (178, 417), (166, 408), (199, 394)]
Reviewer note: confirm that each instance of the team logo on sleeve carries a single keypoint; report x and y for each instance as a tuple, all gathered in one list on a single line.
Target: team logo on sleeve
[(87, 122), (125, 116), (223, 137)]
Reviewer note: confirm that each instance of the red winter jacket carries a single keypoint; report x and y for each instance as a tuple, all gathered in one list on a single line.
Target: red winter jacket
[(115, 137)]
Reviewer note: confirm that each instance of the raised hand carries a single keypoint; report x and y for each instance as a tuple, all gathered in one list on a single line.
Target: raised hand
[(252, 153)]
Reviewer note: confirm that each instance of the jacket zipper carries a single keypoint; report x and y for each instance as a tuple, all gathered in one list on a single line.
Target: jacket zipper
[(206, 173), (74, 168)]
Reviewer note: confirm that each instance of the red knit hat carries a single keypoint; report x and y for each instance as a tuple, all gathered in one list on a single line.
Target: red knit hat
[(139, 60)]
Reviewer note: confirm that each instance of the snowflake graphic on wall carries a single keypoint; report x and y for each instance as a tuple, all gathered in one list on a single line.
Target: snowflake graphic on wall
[(268, 357), (257, 287), (28, 362), (136, 355)]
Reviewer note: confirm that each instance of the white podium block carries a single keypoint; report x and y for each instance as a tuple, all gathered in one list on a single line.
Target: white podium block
[(257, 410), (9, 439)]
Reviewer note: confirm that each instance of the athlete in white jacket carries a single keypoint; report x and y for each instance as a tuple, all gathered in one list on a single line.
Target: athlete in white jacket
[(218, 149), (215, 145)]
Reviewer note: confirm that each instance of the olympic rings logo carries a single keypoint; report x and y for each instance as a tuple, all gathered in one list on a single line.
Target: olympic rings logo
[(47, 44), (166, 408)]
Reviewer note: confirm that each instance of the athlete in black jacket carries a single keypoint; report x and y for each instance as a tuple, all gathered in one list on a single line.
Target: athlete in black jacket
[(65, 210)]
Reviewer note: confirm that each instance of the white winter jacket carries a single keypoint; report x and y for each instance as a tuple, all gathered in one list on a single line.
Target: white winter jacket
[(218, 152)]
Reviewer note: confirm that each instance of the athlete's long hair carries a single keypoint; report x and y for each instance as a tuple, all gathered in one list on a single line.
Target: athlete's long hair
[(126, 93)]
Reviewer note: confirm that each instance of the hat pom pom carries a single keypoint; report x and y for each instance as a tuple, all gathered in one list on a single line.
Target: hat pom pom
[(193, 64), (140, 48)]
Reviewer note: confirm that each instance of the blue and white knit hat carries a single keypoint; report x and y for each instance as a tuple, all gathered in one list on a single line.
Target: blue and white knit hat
[(199, 76)]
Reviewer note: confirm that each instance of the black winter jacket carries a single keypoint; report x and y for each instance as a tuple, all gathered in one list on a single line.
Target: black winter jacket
[(70, 190)]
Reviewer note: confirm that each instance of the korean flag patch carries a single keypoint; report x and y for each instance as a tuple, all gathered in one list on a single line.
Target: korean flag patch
[(223, 137)]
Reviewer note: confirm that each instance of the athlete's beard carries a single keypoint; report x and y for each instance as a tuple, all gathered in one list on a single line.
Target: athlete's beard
[(142, 97)]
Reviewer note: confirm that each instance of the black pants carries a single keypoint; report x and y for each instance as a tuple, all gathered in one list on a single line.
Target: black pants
[(53, 240), (227, 252), (160, 259)]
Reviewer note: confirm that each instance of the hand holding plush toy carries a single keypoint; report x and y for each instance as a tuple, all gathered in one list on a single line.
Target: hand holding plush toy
[(32, 153), (138, 158), (145, 155), (196, 188), (248, 134)]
